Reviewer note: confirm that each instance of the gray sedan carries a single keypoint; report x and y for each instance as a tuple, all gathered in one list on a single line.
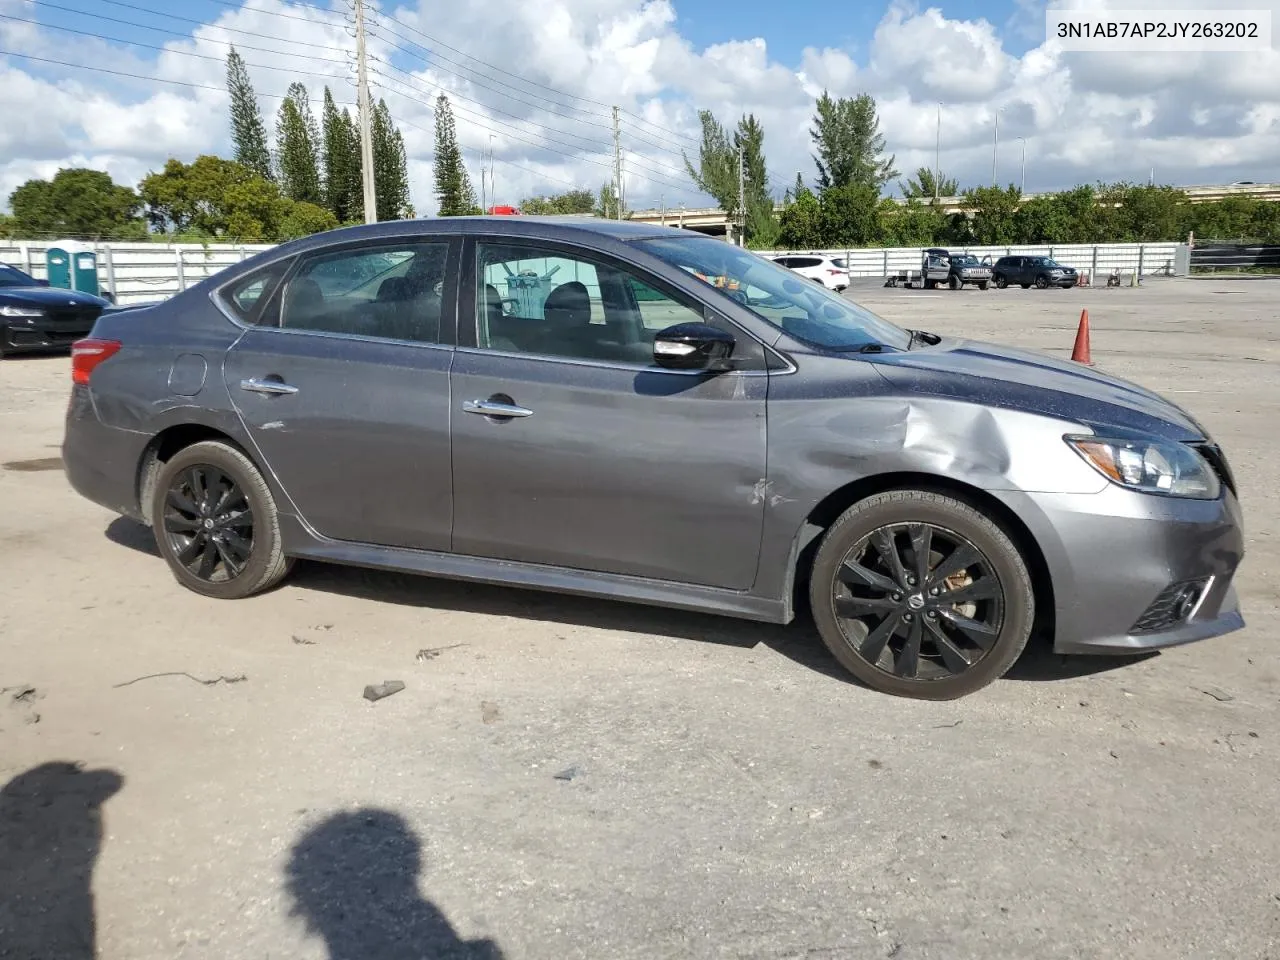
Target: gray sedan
[(651, 415)]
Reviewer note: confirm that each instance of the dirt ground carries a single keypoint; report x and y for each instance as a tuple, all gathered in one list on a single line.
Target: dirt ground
[(563, 778)]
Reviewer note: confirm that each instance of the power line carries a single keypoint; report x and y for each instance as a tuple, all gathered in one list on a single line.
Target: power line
[(173, 16)]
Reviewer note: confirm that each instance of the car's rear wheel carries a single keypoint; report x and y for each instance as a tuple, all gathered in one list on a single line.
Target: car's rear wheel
[(215, 522), (920, 595)]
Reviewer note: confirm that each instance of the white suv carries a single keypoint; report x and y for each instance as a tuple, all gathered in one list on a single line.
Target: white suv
[(831, 272)]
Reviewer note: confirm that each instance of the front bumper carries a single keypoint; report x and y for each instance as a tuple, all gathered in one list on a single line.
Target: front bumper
[(1111, 555), (40, 334)]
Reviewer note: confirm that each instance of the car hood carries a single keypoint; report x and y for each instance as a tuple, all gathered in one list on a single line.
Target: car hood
[(1033, 382), (49, 297)]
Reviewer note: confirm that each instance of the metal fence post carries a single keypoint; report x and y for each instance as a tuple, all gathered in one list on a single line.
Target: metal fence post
[(1093, 271), (111, 273), (1141, 251), (886, 261), (182, 279)]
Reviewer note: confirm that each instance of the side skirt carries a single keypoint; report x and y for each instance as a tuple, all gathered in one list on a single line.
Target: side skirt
[(305, 544)]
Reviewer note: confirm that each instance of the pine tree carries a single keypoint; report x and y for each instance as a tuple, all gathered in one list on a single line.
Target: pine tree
[(390, 166), (453, 186), (337, 161), (247, 130), (851, 149), (297, 147)]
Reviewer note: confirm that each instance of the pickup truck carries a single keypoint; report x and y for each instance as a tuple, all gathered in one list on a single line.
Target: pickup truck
[(942, 266)]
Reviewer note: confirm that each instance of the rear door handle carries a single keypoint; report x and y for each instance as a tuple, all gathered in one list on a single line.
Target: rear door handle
[(269, 387), (493, 408)]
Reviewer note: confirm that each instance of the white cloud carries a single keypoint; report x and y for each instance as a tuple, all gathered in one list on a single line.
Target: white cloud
[(1082, 117)]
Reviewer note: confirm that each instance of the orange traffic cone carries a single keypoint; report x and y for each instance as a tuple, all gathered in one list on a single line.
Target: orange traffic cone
[(1080, 353)]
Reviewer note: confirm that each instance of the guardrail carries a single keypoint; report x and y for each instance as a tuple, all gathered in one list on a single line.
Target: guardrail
[(1097, 260)]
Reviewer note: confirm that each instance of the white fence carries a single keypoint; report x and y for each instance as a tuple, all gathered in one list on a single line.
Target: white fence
[(137, 272), (1103, 259)]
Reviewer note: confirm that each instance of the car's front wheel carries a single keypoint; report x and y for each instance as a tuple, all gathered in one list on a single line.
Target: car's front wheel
[(1042, 282), (215, 522), (920, 595)]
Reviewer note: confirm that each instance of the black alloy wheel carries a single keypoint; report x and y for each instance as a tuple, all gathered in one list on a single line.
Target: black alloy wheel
[(209, 524), (1042, 282), (215, 522), (1001, 281), (921, 595), (918, 601)]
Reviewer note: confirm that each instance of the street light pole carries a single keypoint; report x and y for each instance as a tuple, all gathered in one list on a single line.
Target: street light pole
[(937, 156), (995, 145), (1023, 187)]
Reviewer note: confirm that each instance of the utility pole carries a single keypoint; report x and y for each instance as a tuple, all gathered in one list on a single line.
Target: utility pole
[(484, 199), (366, 137), (617, 165), (662, 199), (1023, 187), (742, 199), (493, 171)]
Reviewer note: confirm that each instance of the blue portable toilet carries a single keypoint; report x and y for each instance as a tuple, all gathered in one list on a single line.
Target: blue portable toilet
[(72, 265)]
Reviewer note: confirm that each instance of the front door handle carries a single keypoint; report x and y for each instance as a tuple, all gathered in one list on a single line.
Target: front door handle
[(495, 408), (269, 387)]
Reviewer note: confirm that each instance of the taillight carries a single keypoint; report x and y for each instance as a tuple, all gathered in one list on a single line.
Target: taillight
[(835, 273), (87, 354)]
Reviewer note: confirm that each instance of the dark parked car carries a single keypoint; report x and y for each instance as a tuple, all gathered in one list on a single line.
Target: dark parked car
[(36, 316), (564, 404), (1027, 271)]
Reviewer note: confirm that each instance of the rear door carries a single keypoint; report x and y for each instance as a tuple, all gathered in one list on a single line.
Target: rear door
[(572, 448), (343, 386)]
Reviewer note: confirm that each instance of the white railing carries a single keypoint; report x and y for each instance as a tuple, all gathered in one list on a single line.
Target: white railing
[(138, 272), (1101, 259)]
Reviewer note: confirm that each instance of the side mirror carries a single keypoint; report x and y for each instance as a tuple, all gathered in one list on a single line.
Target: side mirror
[(693, 346)]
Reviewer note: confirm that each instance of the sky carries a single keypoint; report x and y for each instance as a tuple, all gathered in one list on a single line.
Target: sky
[(534, 81)]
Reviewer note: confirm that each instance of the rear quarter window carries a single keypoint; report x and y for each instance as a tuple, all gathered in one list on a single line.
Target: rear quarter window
[(246, 296)]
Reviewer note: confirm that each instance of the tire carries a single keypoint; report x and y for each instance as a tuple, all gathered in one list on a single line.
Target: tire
[(1042, 282), (984, 642), (930, 284), (180, 522), (954, 282), (983, 284), (1001, 281), (1025, 286)]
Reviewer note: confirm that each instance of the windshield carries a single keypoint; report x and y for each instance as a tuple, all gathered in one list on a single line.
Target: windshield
[(965, 261), (804, 309), (13, 277), (1048, 262)]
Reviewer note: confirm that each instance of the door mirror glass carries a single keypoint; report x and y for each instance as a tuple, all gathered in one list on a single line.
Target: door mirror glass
[(694, 346)]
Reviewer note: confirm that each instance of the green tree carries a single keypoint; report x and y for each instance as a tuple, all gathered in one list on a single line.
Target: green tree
[(6, 226), (247, 130), (343, 193), (298, 147), (303, 219), (850, 147), (1152, 214), (77, 202), (995, 213), (453, 185), (923, 185), (390, 166), (912, 224), (607, 202), (850, 216), (574, 201), (192, 198), (800, 225), (717, 174)]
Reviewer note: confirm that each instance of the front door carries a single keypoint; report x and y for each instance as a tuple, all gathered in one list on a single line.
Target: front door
[(344, 389), (572, 448)]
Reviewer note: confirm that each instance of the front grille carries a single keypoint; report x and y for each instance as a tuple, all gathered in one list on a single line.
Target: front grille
[(1218, 460), (71, 318), (1175, 604)]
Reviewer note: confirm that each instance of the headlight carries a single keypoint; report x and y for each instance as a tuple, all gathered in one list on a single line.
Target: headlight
[(1154, 466), (11, 311)]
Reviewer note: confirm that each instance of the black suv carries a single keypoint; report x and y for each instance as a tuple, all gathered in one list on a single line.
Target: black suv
[(1025, 271)]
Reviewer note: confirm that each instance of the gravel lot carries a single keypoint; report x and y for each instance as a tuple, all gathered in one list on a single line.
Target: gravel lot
[(732, 795)]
